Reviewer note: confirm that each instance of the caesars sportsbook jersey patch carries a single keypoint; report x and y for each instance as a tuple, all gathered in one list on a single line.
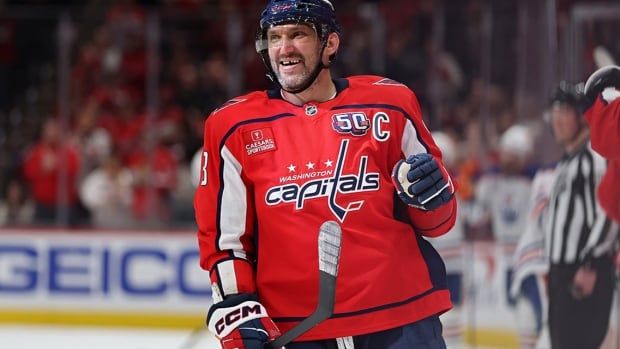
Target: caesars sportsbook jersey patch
[(259, 141)]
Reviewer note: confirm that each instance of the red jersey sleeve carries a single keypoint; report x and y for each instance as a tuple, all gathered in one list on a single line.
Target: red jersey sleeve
[(604, 121), (224, 212), (417, 139)]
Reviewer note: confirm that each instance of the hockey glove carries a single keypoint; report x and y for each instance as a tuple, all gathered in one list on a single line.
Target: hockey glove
[(241, 322), (599, 82), (421, 182)]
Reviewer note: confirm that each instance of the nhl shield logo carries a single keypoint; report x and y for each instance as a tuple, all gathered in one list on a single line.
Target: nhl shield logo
[(311, 110)]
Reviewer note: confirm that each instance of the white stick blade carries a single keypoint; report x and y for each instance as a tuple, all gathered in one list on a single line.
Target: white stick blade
[(330, 239), (602, 57)]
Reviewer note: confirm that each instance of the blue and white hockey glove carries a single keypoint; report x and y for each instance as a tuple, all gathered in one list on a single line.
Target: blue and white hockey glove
[(421, 182), (241, 322)]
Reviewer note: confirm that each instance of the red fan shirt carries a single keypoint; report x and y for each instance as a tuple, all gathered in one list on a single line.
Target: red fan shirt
[(273, 172), (43, 167)]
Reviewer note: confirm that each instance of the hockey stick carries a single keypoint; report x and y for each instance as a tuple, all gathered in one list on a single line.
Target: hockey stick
[(330, 239), (193, 337)]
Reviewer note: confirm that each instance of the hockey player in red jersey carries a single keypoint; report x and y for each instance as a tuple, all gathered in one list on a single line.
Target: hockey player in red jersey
[(603, 116), (277, 164)]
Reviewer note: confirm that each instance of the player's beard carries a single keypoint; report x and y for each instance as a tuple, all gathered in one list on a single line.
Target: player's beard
[(293, 82)]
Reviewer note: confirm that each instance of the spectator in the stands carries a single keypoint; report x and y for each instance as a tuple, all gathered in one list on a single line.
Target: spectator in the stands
[(107, 193), (16, 209), (92, 140), (153, 167), (51, 168)]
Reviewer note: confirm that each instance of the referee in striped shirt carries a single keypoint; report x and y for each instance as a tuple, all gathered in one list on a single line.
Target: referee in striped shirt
[(579, 237)]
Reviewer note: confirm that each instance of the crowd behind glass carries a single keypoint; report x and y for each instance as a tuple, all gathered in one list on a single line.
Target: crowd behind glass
[(116, 159)]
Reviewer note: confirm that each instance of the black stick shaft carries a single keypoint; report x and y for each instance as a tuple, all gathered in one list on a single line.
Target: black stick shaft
[(324, 310), (329, 242)]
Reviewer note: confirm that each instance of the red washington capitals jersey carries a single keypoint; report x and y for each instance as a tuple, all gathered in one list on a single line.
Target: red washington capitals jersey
[(273, 172)]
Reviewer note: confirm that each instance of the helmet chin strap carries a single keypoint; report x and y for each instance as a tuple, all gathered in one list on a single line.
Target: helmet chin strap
[(315, 73)]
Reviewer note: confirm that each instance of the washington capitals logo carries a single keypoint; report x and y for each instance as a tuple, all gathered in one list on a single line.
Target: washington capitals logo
[(330, 187)]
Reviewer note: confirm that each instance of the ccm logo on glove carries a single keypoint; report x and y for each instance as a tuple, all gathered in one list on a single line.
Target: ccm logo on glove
[(241, 322), (422, 182), (233, 317)]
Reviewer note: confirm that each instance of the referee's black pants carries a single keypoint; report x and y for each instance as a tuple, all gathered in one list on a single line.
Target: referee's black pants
[(579, 323)]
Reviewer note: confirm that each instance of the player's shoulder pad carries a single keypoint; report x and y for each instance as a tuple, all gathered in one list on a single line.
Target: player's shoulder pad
[(237, 109), (240, 103), (376, 81), (379, 85)]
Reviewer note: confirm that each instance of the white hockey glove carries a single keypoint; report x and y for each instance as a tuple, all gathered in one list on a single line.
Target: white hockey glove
[(604, 82), (241, 322), (421, 182)]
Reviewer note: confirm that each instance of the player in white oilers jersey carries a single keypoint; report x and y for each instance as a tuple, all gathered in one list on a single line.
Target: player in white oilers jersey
[(530, 267), (451, 248), (501, 202), (502, 197)]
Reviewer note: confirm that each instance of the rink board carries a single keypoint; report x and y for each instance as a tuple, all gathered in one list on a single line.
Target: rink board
[(146, 279), (102, 278)]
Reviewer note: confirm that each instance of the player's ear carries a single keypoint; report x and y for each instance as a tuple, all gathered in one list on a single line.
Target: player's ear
[(333, 42)]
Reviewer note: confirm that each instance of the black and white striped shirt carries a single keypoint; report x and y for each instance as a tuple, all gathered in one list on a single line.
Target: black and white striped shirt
[(576, 227)]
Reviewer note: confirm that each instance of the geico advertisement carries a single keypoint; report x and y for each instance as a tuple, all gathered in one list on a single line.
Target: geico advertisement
[(154, 271)]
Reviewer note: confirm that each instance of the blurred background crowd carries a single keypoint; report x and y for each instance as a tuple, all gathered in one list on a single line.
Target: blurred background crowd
[(102, 103)]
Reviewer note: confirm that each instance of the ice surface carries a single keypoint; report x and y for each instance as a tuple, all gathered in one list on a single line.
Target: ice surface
[(62, 337)]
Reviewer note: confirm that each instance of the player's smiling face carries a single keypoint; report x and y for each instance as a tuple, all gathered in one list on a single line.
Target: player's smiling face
[(293, 52)]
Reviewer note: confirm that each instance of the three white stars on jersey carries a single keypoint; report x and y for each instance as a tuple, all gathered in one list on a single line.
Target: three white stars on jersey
[(310, 165)]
